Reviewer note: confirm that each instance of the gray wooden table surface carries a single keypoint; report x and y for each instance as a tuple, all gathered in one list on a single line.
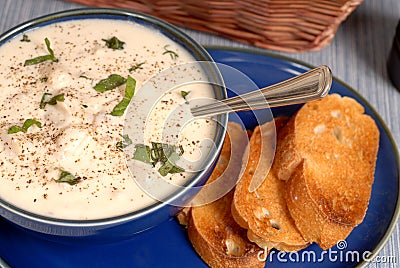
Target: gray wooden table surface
[(356, 56)]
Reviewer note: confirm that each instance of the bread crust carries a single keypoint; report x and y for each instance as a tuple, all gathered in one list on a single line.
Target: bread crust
[(218, 239), (264, 212), (213, 232), (318, 188), (313, 225), (334, 145)]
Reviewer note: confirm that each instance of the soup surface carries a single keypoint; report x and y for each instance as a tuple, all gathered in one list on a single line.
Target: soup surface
[(61, 148)]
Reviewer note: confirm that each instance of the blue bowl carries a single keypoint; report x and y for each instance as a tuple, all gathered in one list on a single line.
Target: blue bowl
[(124, 226)]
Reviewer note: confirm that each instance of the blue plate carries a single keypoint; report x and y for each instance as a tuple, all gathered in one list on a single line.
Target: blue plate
[(168, 245)]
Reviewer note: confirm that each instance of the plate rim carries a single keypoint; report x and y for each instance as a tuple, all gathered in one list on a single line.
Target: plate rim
[(395, 217)]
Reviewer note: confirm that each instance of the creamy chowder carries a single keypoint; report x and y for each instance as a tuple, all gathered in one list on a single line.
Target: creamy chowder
[(60, 148)]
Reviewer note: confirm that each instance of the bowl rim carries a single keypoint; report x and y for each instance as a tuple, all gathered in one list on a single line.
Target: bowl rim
[(164, 27)]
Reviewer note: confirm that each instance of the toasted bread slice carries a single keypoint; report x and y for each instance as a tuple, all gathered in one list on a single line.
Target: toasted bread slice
[(328, 154), (218, 239), (213, 232), (314, 225), (264, 212)]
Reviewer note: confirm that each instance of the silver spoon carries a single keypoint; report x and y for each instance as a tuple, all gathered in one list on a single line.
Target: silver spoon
[(302, 88)]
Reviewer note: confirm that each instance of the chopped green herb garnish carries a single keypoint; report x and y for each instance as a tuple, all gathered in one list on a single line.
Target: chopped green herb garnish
[(120, 108), (27, 124), (136, 67), (142, 153), (67, 177), (25, 38), (43, 100), (15, 129), (169, 166), (44, 79), (51, 101), (162, 153), (85, 77), (126, 141), (184, 94), (173, 54), (114, 43), (40, 59), (109, 83)]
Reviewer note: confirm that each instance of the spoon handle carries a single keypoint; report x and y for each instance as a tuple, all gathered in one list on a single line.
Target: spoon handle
[(310, 85)]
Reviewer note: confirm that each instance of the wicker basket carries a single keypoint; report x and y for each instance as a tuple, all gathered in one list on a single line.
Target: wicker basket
[(284, 25)]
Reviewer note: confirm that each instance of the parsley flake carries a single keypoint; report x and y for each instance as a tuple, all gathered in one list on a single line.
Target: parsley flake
[(44, 58), (67, 177), (114, 43), (173, 54), (142, 153), (136, 67), (160, 153), (109, 83), (126, 141), (85, 77), (120, 108), (51, 101), (184, 94), (25, 38), (27, 124)]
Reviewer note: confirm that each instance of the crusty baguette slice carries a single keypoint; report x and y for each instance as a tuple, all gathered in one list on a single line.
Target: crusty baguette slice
[(314, 225), (335, 146), (213, 232), (264, 212), (218, 239)]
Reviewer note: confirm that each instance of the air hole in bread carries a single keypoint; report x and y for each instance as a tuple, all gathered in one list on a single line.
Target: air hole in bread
[(262, 213), (257, 195), (336, 113), (234, 244), (232, 248), (251, 171), (266, 212), (338, 134), (259, 214), (319, 129), (274, 224)]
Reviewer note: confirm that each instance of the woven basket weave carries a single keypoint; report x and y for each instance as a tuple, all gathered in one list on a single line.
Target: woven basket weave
[(284, 25)]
